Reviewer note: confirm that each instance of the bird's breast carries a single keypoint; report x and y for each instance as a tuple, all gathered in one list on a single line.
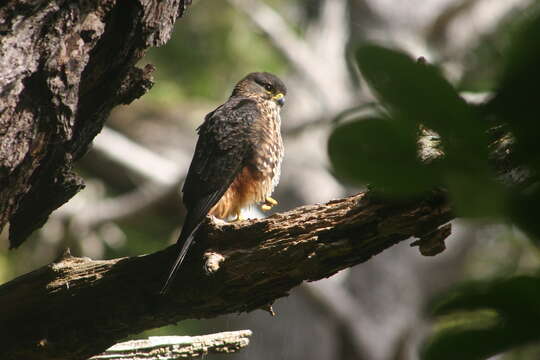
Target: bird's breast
[(261, 171), (268, 149)]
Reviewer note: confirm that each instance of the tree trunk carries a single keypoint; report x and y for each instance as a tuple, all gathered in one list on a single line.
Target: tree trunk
[(63, 66)]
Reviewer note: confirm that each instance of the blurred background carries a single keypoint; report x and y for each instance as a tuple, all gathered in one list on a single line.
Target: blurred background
[(131, 204)]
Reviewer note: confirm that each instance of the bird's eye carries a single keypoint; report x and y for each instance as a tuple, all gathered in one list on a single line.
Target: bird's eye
[(268, 87)]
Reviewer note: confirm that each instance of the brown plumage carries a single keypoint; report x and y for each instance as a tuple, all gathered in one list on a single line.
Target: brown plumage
[(246, 189), (237, 159)]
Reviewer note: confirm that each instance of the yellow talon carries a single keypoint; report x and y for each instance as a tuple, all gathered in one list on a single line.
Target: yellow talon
[(268, 203)]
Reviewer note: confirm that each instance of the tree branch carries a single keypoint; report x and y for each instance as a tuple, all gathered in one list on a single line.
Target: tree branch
[(176, 347), (77, 307), (160, 175), (339, 305), (310, 55)]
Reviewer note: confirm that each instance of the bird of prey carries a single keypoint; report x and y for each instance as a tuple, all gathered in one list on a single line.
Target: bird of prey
[(237, 160)]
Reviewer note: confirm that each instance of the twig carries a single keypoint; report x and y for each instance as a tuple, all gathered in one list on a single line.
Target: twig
[(341, 307), (176, 347), (119, 207), (332, 89), (161, 176), (137, 159), (280, 34), (349, 114)]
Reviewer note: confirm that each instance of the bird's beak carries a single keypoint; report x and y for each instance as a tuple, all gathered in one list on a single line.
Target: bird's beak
[(279, 98)]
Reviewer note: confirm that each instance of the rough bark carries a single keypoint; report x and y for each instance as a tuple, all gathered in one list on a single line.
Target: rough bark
[(177, 347), (63, 66), (77, 307)]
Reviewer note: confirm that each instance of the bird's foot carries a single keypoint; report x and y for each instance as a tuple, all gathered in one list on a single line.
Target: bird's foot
[(268, 203)]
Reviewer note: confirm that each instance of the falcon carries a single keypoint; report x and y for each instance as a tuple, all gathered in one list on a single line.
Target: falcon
[(237, 158)]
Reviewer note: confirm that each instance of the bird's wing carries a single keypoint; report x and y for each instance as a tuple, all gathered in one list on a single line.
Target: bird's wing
[(223, 145)]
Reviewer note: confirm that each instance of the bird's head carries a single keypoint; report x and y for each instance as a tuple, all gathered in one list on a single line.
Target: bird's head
[(262, 85)]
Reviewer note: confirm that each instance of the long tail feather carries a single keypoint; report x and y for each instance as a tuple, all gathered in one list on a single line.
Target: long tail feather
[(194, 219), (186, 238)]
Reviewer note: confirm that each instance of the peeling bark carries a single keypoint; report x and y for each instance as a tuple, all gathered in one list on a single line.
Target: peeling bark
[(63, 66)]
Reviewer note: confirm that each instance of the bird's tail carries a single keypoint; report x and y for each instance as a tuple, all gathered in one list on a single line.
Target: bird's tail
[(186, 238)]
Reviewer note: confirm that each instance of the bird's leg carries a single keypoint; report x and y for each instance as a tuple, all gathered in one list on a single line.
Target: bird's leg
[(239, 216), (268, 203)]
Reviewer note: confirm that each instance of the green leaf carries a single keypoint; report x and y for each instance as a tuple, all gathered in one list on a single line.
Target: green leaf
[(518, 294), (416, 92), (478, 336), (517, 97), (517, 103), (524, 210), (475, 195), (480, 319), (376, 151)]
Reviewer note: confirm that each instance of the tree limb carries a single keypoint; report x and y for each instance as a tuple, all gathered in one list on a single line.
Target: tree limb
[(160, 178), (311, 54), (339, 305), (176, 347), (76, 307)]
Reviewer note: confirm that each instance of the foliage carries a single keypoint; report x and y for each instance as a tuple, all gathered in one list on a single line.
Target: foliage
[(480, 319), (210, 50)]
